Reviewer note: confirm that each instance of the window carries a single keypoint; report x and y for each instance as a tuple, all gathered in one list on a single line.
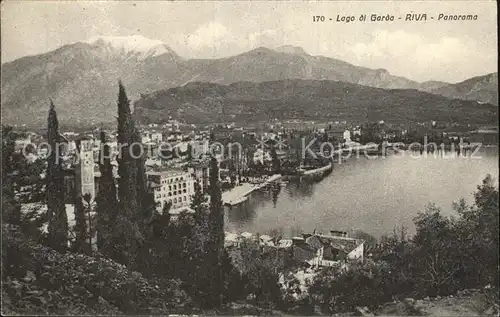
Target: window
[(175, 186), (184, 185), (184, 191), (184, 198), (169, 193), (175, 200)]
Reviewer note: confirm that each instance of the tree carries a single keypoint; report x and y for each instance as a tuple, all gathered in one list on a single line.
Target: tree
[(216, 216), (215, 246), (87, 198), (477, 232), (56, 209), (190, 152), (106, 202), (11, 209), (259, 270), (336, 290), (80, 244), (127, 236), (158, 258), (127, 168), (16, 172), (435, 253)]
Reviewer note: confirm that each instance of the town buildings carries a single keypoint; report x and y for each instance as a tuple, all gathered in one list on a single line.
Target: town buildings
[(485, 136)]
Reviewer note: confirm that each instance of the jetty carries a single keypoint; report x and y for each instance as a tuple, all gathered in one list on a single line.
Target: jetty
[(238, 194), (236, 202), (269, 181), (235, 196), (316, 171)]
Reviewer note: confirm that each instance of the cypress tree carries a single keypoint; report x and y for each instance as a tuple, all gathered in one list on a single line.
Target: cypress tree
[(127, 167), (216, 227), (56, 209), (190, 152), (106, 202), (145, 198), (128, 220), (216, 217), (80, 227), (201, 231)]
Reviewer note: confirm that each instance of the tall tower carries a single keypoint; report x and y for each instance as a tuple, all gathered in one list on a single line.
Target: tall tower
[(85, 169)]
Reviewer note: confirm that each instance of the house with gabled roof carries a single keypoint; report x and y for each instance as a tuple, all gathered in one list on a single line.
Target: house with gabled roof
[(324, 250)]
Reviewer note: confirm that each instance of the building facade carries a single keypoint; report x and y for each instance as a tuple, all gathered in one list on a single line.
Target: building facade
[(171, 186)]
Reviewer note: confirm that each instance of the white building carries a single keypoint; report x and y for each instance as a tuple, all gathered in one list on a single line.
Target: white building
[(347, 135), (261, 156), (174, 186)]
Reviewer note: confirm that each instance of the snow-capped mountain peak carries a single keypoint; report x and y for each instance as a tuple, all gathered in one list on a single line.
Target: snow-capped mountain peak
[(135, 44)]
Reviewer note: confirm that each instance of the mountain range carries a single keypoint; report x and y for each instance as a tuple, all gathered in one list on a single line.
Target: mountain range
[(81, 78), (482, 88)]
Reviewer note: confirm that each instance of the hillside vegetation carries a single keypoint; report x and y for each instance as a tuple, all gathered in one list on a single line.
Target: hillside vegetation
[(208, 102)]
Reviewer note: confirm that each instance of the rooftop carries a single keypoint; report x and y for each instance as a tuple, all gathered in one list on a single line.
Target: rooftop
[(340, 243), (167, 172)]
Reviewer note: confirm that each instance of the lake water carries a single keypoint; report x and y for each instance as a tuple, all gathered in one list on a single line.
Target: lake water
[(372, 195)]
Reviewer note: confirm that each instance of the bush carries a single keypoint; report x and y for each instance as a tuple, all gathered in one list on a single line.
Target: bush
[(337, 290)]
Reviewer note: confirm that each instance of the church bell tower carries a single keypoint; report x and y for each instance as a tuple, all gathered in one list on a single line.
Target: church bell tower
[(85, 169)]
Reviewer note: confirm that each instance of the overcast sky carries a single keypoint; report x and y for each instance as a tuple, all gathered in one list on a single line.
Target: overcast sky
[(451, 51)]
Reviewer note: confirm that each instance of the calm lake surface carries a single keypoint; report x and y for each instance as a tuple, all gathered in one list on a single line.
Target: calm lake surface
[(372, 195)]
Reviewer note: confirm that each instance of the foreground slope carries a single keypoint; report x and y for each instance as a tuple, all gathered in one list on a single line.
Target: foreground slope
[(39, 280)]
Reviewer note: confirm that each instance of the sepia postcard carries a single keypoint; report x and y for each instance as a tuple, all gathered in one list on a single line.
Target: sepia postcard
[(288, 158)]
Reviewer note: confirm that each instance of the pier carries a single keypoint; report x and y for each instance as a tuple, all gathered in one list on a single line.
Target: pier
[(238, 194)]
